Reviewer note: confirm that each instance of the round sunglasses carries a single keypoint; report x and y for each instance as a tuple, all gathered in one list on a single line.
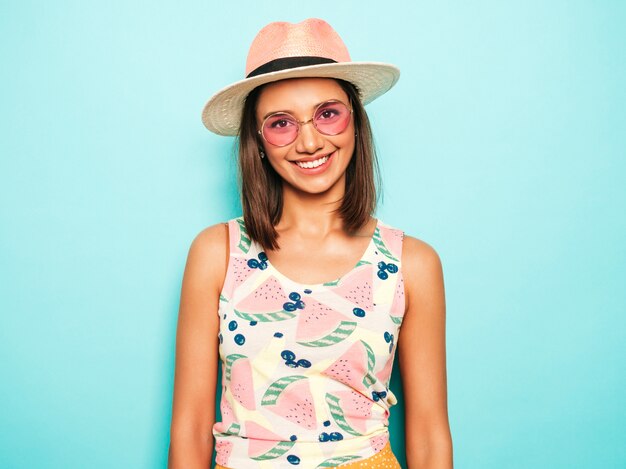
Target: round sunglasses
[(329, 118)]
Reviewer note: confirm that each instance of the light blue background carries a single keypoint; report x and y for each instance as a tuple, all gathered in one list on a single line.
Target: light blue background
[(502, 146)]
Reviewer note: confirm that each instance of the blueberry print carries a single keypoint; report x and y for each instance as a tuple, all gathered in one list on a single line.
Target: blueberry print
[(293, 437), (240, 339), (293, 459), (358, 312), (378, 395), (221, 338), (258, 264), (327, 423), (336, 436), (232, 325), (392, 268), (308, 292), (294, 296), (289, 306), (253, 323), (324, 436), (300, 304), (384, 269), (389, 340), (277, 334), (290, 360)]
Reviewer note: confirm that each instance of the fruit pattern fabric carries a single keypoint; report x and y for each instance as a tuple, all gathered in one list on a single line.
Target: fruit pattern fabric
[(306, 368)]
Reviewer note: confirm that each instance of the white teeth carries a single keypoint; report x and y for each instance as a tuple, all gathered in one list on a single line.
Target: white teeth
[(313, 164)]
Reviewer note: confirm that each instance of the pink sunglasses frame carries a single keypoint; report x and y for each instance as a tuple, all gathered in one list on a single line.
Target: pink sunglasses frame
[(301, 123)]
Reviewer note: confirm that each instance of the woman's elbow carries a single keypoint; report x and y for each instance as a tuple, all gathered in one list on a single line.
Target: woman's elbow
[(430, 449)]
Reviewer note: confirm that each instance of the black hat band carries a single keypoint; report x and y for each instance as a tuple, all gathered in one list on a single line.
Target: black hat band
[(285, 63)]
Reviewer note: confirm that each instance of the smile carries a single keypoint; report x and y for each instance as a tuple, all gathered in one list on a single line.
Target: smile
[(314, 163)]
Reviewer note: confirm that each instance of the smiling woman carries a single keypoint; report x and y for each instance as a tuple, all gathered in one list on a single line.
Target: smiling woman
[(313, 153), (262, 190), (307, 296)]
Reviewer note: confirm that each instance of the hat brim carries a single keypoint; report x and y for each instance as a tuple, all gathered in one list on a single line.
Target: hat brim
[(222, 112)]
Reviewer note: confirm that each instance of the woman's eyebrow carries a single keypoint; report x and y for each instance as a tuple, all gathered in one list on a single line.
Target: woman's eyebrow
[(287, 111)]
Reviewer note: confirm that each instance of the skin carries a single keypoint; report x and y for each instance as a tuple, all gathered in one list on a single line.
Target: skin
[(314, 249)]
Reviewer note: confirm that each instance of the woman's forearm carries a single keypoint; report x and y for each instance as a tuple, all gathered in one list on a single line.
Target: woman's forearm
[(190, 452), (431, 454)]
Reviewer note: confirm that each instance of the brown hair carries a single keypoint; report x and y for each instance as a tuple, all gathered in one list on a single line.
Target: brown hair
[(261, 186)]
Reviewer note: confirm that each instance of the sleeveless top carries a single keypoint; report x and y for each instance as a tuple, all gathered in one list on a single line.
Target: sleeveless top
[(306, 368)]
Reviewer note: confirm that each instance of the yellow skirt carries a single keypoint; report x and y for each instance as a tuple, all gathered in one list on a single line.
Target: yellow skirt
[(384, 459)]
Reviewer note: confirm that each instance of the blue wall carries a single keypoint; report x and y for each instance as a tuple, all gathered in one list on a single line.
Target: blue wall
[(503, 145)]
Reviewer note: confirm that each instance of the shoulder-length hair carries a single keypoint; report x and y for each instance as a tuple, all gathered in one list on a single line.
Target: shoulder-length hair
[(261, 186)]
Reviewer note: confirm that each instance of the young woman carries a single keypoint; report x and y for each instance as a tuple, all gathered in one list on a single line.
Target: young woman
[(306, 297)]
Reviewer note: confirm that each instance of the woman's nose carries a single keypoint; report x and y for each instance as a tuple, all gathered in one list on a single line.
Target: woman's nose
[(309, 139)]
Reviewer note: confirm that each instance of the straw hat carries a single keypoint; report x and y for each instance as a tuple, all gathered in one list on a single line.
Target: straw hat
[(282, 50)]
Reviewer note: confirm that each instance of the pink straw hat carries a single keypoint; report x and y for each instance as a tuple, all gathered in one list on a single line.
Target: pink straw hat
[(282, 50)]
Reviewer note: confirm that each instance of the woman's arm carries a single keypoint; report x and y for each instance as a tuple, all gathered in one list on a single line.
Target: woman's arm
[(193, 413), (422, 356)]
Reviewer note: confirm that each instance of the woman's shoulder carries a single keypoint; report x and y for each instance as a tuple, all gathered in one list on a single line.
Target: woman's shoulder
[(413, 248), (209, 249), (422, 272), (211, 238), (419, 254)]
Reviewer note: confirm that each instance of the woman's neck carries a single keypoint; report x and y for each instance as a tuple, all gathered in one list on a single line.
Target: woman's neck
[(311, 214)]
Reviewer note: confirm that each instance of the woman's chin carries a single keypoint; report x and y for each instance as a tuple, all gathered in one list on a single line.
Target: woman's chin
[(319, 187)]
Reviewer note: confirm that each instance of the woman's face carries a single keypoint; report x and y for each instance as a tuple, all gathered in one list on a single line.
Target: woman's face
[(325, 157)]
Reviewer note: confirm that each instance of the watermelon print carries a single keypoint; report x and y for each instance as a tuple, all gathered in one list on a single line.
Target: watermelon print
[(383, 247), (356, 408), (320, 325), (224, 427), (265, 444), (350, 410), (354, 367), (341, 332), (385, 374), (357, 287), (276, 388), (239, 273), (223, 449), (378, 442), (305, 367), (333, 462), (241, 384), (291, 399), (397, 307), (392, 240), (265, 303), (228, 367), (244, 240)]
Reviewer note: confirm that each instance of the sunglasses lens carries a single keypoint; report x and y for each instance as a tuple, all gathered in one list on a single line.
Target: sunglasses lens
[(331, 118), (280, 129)]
